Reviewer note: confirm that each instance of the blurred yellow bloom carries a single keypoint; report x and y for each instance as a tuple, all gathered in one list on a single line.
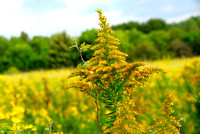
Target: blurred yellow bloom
[(18, 110), (2, 78), (82, 125), (30, 126), (2, 115), (16, 120)]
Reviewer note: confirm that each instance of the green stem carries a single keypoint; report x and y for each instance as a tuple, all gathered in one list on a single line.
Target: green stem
[(80, 51), (99, 125)]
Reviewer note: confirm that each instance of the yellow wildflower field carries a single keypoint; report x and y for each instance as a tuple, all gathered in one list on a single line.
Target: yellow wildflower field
[(39, 97)]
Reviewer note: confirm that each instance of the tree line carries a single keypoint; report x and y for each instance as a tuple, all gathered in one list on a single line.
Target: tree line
[(154, 39)]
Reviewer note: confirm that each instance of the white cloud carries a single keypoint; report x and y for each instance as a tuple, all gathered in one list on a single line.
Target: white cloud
[(77, 16), (182, 17), (69, 20), (10, 14), (73, 19), (10, 6)]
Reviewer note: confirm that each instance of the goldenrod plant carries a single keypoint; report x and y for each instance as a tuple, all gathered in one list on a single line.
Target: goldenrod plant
[(125, 120), (111, 80), (166, 123)]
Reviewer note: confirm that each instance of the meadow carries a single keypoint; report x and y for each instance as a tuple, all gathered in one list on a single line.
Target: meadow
[(38, 98), (107, 92)]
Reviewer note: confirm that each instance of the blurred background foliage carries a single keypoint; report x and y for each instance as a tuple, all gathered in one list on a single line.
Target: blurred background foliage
[(151, 40)]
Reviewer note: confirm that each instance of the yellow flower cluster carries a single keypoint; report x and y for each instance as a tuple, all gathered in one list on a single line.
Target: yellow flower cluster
[(81, 85), (81, 72), (100, 51)]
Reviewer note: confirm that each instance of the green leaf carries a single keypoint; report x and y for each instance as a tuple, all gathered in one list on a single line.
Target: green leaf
[(5, 129), (111, 113), (72, 46), (27, 130), (182, 119), (8, 122), (83, 45), (79, 66), (85, 48)]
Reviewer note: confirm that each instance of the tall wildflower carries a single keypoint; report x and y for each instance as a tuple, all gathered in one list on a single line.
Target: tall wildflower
[(166, 123), (125, 120), (109, 78)]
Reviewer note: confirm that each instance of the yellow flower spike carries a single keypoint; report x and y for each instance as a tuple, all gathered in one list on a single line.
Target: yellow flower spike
[(167, 122), (99, 11)]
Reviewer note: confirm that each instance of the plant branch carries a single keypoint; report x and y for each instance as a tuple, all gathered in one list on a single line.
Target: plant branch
[(79, 50), (50, 126), (99, 125), (17, 132)]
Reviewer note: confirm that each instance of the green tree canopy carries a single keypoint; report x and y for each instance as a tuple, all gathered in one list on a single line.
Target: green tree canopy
[(153, 24), (59, 55)]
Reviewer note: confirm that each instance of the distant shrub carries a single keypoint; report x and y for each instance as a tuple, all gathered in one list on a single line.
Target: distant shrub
[(12, 70)]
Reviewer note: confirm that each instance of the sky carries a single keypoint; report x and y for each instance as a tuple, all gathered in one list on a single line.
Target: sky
[(48, 17)]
